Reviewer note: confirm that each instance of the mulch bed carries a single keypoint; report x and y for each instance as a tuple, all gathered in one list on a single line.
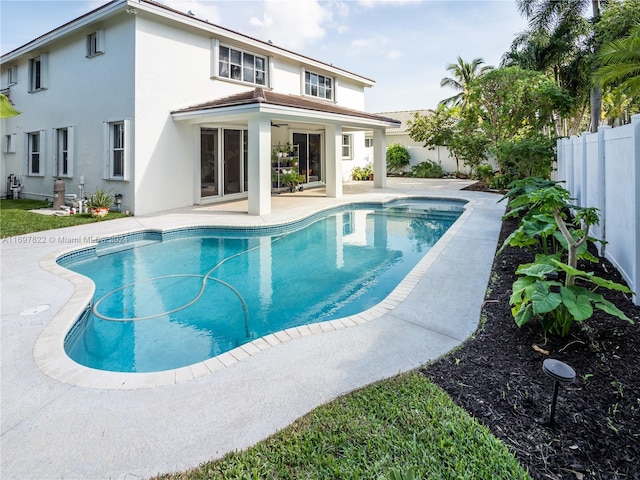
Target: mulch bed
[(497, 377)]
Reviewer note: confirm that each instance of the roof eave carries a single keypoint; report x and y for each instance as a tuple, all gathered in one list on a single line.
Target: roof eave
[(282, 112), (97, 14)]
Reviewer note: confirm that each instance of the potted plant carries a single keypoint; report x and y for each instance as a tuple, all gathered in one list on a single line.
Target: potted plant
[(292, 180), (99, 203)]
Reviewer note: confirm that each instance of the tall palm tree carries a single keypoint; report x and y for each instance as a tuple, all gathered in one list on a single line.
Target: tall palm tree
[(463, 77), (546, 15)]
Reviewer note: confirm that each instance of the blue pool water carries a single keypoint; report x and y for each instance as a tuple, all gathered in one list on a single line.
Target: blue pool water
[(164, 301)]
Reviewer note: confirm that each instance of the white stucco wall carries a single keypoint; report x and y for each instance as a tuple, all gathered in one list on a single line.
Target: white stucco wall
[(82, 93), (152, 65)]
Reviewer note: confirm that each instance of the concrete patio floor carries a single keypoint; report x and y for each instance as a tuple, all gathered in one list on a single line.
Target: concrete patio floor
[(54, 425)]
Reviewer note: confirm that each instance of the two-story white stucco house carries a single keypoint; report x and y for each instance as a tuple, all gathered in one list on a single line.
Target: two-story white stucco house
[(169, 110)]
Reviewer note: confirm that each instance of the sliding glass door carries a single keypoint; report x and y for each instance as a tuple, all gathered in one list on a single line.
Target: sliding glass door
[(310, 151), (224, 160)]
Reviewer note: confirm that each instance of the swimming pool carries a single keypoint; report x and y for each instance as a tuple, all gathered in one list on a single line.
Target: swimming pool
[(166, 300)]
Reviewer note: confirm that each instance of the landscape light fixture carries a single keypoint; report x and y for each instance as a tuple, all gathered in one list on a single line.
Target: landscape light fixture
[(561, 373)]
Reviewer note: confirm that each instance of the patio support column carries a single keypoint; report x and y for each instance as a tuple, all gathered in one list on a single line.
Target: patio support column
[(259, 164), (333, 167), (379, 158)]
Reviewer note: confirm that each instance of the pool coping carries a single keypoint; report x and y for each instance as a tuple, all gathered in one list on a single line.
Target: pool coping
[(51, 358)]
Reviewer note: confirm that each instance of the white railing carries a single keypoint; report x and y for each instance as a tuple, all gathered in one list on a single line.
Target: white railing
[(603, 170)]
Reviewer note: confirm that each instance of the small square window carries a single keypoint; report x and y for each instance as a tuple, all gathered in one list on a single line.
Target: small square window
[(12, 75), (346, 146), (95, 43)]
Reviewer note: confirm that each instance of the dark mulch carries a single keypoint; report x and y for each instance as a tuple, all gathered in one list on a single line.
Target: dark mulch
[(497, 377)]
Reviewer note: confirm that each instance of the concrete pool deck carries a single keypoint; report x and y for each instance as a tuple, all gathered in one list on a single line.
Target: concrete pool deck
[(55, 427)]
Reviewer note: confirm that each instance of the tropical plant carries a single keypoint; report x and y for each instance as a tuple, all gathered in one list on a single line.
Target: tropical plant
[(549, 16), (6, 108), (427, 169), (620, 62), (539, 293), (463, 80), (100, 199), (398, 157), (558, 304), (362, 173), (529, 155)]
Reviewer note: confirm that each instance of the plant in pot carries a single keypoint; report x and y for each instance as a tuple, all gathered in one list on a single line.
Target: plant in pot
[(99, 203), (292, 180)]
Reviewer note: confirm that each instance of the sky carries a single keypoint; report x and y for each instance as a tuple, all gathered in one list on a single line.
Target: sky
[(405, 46)]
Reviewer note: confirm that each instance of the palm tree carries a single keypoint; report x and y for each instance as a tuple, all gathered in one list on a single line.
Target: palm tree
[(620, 60), (546, 15), (464, 76)]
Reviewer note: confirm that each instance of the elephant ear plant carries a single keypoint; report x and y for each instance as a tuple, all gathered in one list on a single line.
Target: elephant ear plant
[(540, 293)]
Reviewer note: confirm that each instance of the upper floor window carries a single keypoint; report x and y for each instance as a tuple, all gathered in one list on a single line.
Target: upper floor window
[(34, 153), (347, 142), (243, 66), (318, 85), (95, 43), (38, 70), (12, 75)]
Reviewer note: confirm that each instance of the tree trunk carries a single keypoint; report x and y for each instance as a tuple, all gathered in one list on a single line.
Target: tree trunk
[(596, 93)]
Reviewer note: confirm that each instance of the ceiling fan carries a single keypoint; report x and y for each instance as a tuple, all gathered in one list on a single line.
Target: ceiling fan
[(278, 125)]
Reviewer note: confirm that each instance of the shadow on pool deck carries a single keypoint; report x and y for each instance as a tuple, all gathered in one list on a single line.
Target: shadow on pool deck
[(55, 429)]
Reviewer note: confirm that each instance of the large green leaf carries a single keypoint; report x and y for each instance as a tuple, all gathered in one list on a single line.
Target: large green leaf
[(611, 309), (522, 290), (6, 109), (538, 270), (544, 300), (601, 282), (579, 306), (522, 315)]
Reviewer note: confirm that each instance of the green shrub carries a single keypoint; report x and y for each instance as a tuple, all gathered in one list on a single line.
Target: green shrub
[(427, 169), (398, 157), (484, 173)]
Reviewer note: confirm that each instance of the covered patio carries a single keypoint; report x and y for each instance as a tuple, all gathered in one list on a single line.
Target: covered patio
[(259, 111)]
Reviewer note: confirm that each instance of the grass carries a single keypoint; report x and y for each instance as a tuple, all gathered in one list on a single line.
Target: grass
[(396, 426), (16, 219), (391, 429)]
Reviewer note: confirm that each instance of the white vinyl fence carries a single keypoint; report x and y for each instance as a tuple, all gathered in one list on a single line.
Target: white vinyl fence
[(602, 170)]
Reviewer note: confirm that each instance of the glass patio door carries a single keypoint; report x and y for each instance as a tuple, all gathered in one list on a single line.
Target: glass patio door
[(209, 167), (310, 151), (223, 162)]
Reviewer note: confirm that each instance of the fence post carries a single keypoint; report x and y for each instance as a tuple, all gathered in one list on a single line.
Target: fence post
[(601, 188), (635, 135)]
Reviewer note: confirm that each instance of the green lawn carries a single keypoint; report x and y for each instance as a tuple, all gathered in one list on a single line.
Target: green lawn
[(15, 218), (398, 426)]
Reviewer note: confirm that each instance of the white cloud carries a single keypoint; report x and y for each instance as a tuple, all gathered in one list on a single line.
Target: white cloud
[(360, 43), (377, 3), (393, 55), (292, 23)]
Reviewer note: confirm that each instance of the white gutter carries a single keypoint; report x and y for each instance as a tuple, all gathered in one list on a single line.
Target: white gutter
[(281, 112)]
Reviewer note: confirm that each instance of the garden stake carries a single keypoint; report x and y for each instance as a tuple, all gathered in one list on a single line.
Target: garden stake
[(561, 373)]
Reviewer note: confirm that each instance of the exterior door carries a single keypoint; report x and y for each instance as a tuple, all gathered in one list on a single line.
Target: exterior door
[(310, 152), (209, 166)]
